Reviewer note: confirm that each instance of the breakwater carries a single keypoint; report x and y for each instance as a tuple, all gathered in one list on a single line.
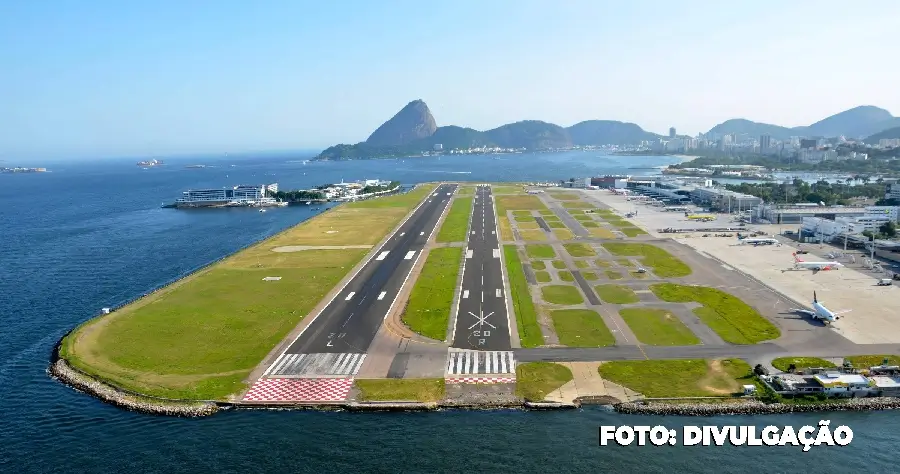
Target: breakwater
[(66, 374), (755, 407)]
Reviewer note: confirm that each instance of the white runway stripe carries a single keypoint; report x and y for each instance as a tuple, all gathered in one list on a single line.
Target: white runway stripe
[(382, 255), (350, 296), (465, 362), (409, 255), (381, 295), (496, 253), (345, 363)]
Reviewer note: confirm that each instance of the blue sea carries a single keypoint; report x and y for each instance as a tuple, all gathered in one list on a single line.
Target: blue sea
[(91, 234)]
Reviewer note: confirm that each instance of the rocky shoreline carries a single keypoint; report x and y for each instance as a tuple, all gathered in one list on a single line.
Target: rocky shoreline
[(754, 407), (63, 372)]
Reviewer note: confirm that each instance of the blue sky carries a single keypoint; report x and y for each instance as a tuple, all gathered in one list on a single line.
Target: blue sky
[(112, 78)]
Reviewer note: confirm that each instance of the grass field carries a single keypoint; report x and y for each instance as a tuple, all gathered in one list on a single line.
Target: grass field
[(576, 205), (559, 265), (583, 217), (602, 263), (616, 294), (565, 196), (457, 221), (521, 213), (662, 263), (732, 319), (199, 338), (506, 233), (602, 233), (533, 235), (539, 251), (524, 218), (561, 294), (782, 363), (542, 276), (580, 250), (625, 262), (547, 213), (507, 189), (680, 378), (581, 328), (539, 265), (638, 275), (406, 390), (465, 190), (428, 309), (658, 327), (565, 275), (523, 307), (613, 275), (534, 380), (556, 225), (589, 224), (528, 225), (563, 234), (581, 264), (632, 231), (513, 203), (589, 276), (866, 361)]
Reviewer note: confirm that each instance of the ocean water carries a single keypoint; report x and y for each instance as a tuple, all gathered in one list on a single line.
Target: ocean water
[(92, 234)]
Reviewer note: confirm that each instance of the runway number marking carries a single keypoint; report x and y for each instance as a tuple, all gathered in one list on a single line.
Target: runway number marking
[(409, 255), (350, 296), (382, 255), (422, 233), (381, 295)]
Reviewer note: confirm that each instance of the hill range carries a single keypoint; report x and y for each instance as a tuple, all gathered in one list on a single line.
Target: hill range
[(413, 130)]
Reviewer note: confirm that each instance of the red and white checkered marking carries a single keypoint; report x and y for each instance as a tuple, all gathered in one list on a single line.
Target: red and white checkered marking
[(480, 380), (300, 390)]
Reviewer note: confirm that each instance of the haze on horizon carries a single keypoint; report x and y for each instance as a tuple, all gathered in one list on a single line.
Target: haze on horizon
[(104, 78)]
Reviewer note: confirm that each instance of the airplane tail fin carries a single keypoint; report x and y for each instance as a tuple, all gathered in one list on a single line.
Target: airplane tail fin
[(815, 300), (796, 258)]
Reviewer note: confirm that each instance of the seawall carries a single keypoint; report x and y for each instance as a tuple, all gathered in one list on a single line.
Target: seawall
[(755, 407)]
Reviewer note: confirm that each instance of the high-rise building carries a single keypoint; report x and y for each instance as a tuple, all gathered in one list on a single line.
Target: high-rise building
[(672, 132), (808, 143), (765, 141)]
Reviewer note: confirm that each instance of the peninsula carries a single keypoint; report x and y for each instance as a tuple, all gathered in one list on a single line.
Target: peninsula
[(463, 294)]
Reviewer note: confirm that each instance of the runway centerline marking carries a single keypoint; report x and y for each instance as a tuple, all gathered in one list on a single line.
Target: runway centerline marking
[(350, 296), (381, 295), (382, 255)]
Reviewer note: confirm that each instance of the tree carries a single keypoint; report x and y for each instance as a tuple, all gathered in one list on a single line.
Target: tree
[(889, 229)]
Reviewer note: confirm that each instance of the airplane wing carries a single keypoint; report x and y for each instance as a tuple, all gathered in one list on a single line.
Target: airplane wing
[(804, 311), (838, 313)]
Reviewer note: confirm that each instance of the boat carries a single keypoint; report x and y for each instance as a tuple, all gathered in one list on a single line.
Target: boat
[(150, 163), (308, 202), (262, 210)]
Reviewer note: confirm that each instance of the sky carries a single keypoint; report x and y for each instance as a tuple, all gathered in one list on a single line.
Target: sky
[(95, 78)]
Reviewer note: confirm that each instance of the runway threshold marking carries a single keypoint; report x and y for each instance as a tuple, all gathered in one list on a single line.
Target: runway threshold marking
[(465, 293), (496, 253), (350, 296), (382, 255), (499, 293), (381, 295), (469, 252), (409, 255)]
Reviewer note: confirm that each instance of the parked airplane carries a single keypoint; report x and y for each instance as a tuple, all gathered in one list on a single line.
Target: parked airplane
[(815, 266), (820, 312), (757, 241), (621, 192)]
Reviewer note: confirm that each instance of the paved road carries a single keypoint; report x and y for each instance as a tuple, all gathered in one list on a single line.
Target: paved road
[(349, 323), (481, 321)]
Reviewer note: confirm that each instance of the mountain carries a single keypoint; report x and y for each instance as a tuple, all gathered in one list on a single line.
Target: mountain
[(889, 133), (413, 130), (593, 132), (411, 123), (861, 121)]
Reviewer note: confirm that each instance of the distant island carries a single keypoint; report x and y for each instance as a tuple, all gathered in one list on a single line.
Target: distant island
[(413, 131)]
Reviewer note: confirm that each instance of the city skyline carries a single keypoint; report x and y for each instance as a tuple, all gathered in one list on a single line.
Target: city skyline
[(167, 78)]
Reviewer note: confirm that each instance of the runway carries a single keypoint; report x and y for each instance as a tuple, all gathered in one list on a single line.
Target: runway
[(344, 329), (482, 320)]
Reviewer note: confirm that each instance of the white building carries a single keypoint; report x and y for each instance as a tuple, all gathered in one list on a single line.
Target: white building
[(893, 191), (838, 384), (889, 142)]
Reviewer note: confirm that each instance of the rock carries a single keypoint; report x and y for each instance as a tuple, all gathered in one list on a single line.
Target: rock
[(412, 122)]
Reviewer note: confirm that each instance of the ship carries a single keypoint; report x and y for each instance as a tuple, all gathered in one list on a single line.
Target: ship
[(150, 163), (232, 196)]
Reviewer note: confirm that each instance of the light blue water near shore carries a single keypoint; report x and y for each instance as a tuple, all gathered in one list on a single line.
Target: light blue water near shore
[(89, 235)]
